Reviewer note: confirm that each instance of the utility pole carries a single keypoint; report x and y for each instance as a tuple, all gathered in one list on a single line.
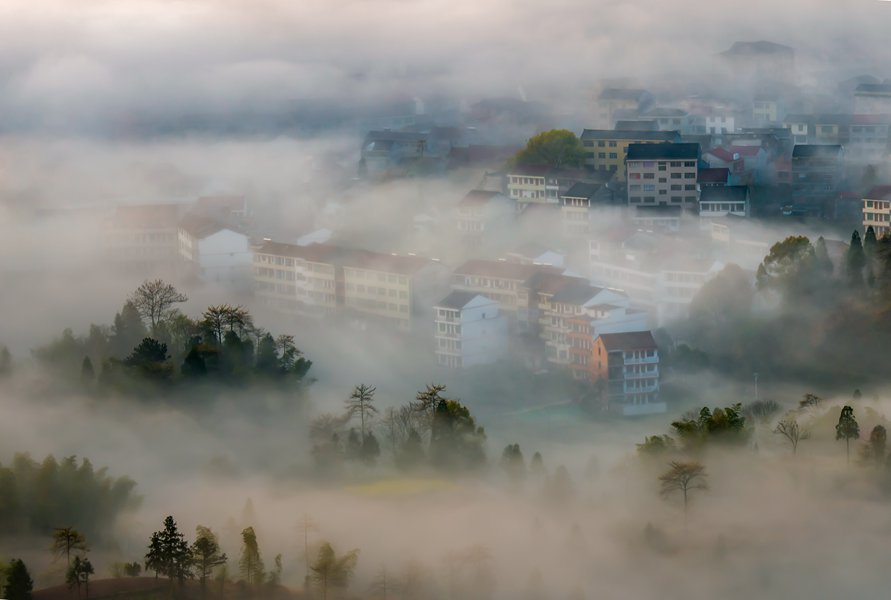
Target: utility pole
[(756, 387)]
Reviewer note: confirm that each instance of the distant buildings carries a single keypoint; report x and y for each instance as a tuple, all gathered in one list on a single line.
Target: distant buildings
[(817, 172), (613, 102), (877, 210), (663, 174), (607, 149), (480, 211), (214, 252), (872, 99), (143, 238), (722, 201), (577, 204)]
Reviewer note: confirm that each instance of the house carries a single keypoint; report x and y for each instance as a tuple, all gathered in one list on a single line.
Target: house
[(384, 152), (766, 109), (671, 119), (877, 210), (214, 252), (230, 209), (723, 201), (817, 172), (746, 163), (616, 101), (800, 127), (720, 123), (663, 174), (533, 253), (578, 202), (713, 177), (296, 279), (657, 217), (606, 150), (629, 365), (469, 331), (642, 124), (143, 239), (532, 184), (868, 137), (872, 99), (480, 211), (504, 282)]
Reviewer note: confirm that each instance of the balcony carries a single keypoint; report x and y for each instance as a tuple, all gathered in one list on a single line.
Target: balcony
[(646, 360)]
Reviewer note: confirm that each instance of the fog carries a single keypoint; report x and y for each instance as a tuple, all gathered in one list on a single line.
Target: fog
[(109, 104)]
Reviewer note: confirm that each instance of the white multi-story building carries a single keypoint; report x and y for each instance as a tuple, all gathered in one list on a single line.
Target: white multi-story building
[(215, 253), (469, 331), (629, 363), (877, 210), (296, 279)]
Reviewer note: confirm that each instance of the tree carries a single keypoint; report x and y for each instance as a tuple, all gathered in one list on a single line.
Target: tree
[(513, 464), (150, 359), (250, 563), (878, 439), (79, 573), (426, 403), (331, 571), (361, 402), (66, 540), (789, 428), (720, 425), (127, 331), (855, 261), (206, 555), (306, 525), (87, 373), (154, 300), (847, 429), (18, 581), (656, 445), (5, 361), (383, 585), (169, 553), (822, 255), (456, 442), (291, 360), (809, 400), (789, 267), (683, 477), (557, 148)]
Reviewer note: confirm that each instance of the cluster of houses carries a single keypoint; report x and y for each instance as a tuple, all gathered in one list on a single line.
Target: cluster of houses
[(624, 241)]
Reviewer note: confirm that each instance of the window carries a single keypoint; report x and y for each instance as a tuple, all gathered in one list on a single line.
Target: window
[(601, 144), (612, 144), (690, 163), (601, 155), (689, 187), (613, 155), (675, 164), (676, 187), (689, 175), (676, 199), (649, 176), (649, 187), (662, 167), (675, 175)]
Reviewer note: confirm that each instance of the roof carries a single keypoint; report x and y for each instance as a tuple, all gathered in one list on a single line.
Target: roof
[(551, 283), (730, 193), (313, 252), (757, 48), (816, 150), (714, 175), (228, 203), (477, 197), (622, 94), (663, 151), (394, 136), (201, 226), (577, 293), (629, 134), (458, 299), (146, 216), (634, 340), (637, 125), (501, 269), (722, 154), (879, 192), (581, 189), (348, 257), (666, 111), (873, 88)]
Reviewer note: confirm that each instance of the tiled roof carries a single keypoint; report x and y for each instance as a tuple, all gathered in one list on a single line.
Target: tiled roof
[(714, 175), (629, 134), (634, 340), (663, 151), (501, 269), (812, 150), (457, 300)]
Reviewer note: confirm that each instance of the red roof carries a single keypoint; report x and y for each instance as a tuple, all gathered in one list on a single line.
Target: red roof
[(723, 154)]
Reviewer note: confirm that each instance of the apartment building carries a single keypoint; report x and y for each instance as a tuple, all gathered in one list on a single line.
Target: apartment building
[(480, 211), (214, 252), (503, 282), (872, 99), (877, 210), (577, 203), (296, 279), (607, 149), (817, 172), (469, 331), (663, 174), (629, 365), (533, 184), (143, 239), (613, 102)]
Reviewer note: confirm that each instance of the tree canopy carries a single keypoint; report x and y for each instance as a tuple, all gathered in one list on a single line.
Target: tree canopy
[(557, 148)]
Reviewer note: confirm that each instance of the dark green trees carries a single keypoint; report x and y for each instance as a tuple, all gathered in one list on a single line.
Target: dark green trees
[(557, 148), (332, 571), (206, 554), (847, 429), (18, 582), (169, 553)]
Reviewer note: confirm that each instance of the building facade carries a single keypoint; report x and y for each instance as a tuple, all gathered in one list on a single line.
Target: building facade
[(607, 149), (469, 331), (628, 364)]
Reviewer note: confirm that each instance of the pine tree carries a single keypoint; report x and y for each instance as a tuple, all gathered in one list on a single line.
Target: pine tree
[(251, 564), (169, 553), (855, 261), (206, 554), (847, 429), (18, 582)]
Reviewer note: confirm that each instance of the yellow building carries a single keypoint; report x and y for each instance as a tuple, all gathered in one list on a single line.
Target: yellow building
[(296, 279), (605, 149)]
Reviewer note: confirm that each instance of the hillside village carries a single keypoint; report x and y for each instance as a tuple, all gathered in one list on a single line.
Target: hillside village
[(562, 267)]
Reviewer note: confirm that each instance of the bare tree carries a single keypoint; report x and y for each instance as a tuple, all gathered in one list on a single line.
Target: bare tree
[(154, 300), (66, 539), (789, 428), (683, 477), (426, 402), (306, 525), (361, 402), (384, 585)]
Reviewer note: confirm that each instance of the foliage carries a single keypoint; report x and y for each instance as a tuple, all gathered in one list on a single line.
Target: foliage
[(761, 409), (79, 573), (361, 402), (512, 463), (206, 554), (169, 553), (37, 497), (789, 268), (878, 439), (456, 442), (18, 581), (332, 571), (726, 425), (683, 477), (656, 445), (154, 300), (250, 564), (855, 261), (847, 429), (66, 539), (557, 148)]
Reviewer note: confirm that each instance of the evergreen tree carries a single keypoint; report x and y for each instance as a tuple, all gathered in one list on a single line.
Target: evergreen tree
[(878, 439), (822, 254), (169, 553), (206, 555), (371, 449), (18, 582), (250, 563), (332, 571), (66, 540), (127, 332), (847, 429), (194, 364), (855, 261), (267, 356), (87, 373), (361, 402)]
